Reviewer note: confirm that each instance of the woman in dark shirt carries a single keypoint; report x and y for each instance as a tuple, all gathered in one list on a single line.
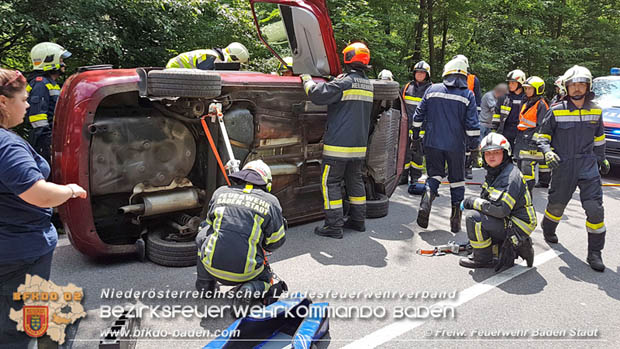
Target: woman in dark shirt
[(27, 237)]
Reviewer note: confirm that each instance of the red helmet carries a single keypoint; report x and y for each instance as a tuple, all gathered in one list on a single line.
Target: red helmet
[(356, 52)]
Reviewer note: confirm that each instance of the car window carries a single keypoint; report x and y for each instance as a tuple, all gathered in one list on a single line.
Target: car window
[(607, 92)]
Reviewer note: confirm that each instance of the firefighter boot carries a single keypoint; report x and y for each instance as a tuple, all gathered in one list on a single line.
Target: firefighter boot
[(204, 281), (425, 207), (354, 225), (548, 228), (596, 242), (483, 258), (330, 232), (526, 251), (455, 219)]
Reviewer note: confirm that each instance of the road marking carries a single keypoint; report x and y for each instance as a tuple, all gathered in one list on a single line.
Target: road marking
[(396, 329)]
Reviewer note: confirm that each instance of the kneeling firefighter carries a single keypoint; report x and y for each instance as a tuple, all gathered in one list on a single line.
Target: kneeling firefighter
[(503, 213), (244, 221), (530, 118)]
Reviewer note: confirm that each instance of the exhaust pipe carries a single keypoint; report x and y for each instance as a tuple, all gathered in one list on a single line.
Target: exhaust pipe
[(164, 202)]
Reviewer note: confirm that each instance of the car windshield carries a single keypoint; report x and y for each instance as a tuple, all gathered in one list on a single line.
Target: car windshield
[(607, 92)]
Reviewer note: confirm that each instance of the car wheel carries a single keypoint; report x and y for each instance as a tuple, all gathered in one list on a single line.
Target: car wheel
[(170, 253), (385, 90), (374, 208), (377, 208), (184, 83)]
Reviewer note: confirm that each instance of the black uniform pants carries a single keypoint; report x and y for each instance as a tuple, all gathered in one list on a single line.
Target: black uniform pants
[(414, 164), (206, 281), (40, 139), (484, 231), (436, 169), (564, 180), (334, 171)]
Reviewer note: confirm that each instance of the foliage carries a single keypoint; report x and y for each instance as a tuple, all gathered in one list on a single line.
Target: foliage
[(541, 37)]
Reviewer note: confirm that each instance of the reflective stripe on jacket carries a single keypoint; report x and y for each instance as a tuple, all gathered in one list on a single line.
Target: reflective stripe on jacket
[(506, 196), (412, 95), (574, 134), (531, 116), (242, 223), (349, 100), (449, 116), (43, 93), (507, 109), (197, 59)]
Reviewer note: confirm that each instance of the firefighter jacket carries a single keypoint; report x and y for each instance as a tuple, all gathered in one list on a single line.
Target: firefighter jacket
[(448, 112), (506, 117), (242, 222), (530, 118), (575, 135), (43, 94), (197, 59), (473, 84), (412, 95), (505, 196), (349, 100)]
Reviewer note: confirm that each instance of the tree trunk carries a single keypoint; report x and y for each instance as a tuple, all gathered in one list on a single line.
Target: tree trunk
[(431, 41), (444, 37), (419, 32)]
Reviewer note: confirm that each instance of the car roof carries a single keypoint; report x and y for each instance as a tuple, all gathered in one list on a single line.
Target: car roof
[(608, 77)]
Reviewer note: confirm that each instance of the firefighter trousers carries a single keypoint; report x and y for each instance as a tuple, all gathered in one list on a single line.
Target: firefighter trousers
[(564, 181), (40, 139), (414, 164), (484, 231), (334, 171), (435, 168)]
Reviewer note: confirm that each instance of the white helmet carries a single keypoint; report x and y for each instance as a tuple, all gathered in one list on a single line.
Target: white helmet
[(516, 75), (255, 172), (46, 56), (577, 74), (455, 66), (494, 141), (424, 67), (386, 75), (236, 52), (463, 58)]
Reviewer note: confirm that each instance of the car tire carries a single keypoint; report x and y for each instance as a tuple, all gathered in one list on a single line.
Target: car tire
[(170, 253), (374, 208), (377, 208), (385, 90), (193, 83)]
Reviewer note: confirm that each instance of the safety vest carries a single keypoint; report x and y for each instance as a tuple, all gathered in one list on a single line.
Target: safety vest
[(471, 80), (527, 118)]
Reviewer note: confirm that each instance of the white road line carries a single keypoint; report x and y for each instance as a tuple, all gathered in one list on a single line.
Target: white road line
[(389, 332)]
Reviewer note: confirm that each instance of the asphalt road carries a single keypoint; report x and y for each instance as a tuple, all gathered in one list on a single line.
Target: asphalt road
[(560, 303)]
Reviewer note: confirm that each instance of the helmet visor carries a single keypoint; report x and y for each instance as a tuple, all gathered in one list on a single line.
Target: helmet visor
[(65, 55)]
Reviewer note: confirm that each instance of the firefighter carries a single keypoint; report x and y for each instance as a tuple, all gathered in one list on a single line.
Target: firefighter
[(531, 116), (473, 84), (349, 98), (503, 214), (573, 140), (206, 59), (560, 92), (448, 111), (244, 220), (412, 95), (43, 91), (507, 109)]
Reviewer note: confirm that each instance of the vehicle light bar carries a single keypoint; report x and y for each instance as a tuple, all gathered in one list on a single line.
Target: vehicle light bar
[(615, 71)]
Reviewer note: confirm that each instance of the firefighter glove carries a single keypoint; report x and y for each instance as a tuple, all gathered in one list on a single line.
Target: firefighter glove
[(305, 78), (468, 203), (552, 159), (604, 167)]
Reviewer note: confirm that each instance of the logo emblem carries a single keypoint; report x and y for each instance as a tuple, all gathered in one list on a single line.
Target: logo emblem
[(35, 320)]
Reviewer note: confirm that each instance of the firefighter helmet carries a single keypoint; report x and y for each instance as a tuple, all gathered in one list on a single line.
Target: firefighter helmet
[(356, 52), (255, 172), (537, 83), (463, 58), (386, 75), (236, 52), (494, 141), (455, 66), (424, 67), (46, 56), (289, 65), (575, 74), (516, 75)]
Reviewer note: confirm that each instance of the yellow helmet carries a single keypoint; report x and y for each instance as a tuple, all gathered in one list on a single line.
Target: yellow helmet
[(289, 65), (46, 56), (537, 83)]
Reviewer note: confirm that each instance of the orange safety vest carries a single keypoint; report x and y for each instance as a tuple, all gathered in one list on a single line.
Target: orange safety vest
[(527, 119), (471, 80)]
